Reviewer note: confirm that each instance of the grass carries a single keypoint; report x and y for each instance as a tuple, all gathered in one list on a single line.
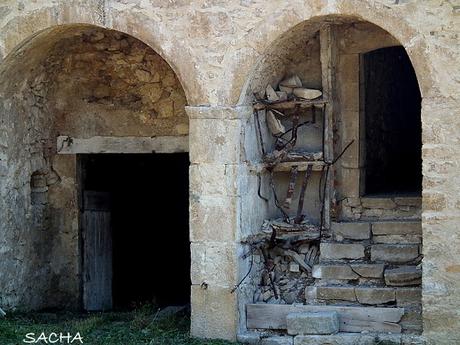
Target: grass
[(137, 327)]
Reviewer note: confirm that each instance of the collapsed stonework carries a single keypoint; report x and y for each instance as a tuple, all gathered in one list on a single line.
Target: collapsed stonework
[(116, 77)]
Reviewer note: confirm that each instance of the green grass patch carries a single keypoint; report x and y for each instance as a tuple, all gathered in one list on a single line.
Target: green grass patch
[(137, 327)]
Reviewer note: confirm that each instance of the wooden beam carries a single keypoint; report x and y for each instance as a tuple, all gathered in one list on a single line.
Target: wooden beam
[(166, 144), (329, 59), (273, 316)]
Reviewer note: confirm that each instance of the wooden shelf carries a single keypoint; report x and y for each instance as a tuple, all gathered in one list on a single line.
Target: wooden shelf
[(299, 159), (304, 231), (289, 104)]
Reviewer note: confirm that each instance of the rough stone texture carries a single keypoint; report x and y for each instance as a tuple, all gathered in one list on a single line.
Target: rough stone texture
[(334, 272), (369, 270), (375, 295), (210, 312), (394, 253), (216, 48), (286, 340), (313, 323), (408, 296), (334, 251), (348, 339), (397, 228), (403, 276), (352, 231), (336, 293)]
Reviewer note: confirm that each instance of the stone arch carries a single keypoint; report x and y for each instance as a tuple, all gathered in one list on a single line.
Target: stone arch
[(32, 22), (70, 81), (299, 51)]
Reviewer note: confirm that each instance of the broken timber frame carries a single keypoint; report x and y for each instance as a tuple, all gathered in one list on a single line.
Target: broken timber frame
[(328, 59)]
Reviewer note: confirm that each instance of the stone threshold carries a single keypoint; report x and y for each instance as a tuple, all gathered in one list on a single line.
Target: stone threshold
[(264, 338)]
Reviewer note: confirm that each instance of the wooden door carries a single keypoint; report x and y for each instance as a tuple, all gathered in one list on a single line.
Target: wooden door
[(97, 251)]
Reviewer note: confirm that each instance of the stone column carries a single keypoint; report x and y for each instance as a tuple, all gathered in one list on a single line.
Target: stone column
[(440, 221), (215, 156)]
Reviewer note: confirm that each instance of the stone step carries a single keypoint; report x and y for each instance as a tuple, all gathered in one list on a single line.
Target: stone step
[(395, 253), (403, 276), (394, 231), (322, 322), (273, 316), (355, 339), (364, 295), (346, 271)]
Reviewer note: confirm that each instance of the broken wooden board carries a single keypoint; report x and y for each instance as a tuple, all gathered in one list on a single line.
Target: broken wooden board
[(281, 226), (273, 316), (294, 156), (292, 236), (289, 104)]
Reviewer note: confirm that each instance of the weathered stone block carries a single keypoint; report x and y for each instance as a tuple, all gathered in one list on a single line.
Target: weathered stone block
[(408, 296), (281, 340), (213, 263), (336, 293), (215, 141), (214, 313), (373, 295), (337, 251), (213, 179), (403, 276), (352, 230), (334, 272), (326, 322), (381, 203), (369, 270), (394, 253), (397, 239), (206, 221), (397, 228), (348, 339)]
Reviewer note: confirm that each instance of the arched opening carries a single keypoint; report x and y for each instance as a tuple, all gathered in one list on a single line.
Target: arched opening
[(94, 139), (392, 127), (320, 243)]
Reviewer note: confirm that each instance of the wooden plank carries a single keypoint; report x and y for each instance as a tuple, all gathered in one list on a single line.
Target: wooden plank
[(291, 104), (166, 144), (97, 261), (358, 326), (273, 316), (328, 57)]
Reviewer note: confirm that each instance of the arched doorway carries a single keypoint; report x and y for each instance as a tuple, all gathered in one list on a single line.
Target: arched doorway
[(93, 116), (323, 243)]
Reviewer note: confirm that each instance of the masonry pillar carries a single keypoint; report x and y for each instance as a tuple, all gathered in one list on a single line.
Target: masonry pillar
[(440, 220), (215, 156)]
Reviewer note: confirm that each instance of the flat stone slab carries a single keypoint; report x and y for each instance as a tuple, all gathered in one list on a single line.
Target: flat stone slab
[(397, 228), (368, 270), (373, 295), (323, 322), (337, 251), (394, 253), (334, 272), (352, 230), (342, 293), (348, 339), (281, 340), (403, 276)]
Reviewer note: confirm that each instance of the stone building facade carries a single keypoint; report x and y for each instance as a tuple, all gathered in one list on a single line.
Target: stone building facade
[(91, 77)]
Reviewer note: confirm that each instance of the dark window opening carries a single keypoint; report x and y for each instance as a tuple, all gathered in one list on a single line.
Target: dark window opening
[(392, 123), (144, 199)]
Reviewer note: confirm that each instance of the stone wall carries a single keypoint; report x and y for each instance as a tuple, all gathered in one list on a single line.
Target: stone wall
[(214, 48)]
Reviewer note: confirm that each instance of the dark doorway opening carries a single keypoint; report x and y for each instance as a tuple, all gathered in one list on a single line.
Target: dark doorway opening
[(392, 123), (146, 196)]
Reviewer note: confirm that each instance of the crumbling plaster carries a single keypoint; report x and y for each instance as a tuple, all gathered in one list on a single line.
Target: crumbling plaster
[(213, 46)]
